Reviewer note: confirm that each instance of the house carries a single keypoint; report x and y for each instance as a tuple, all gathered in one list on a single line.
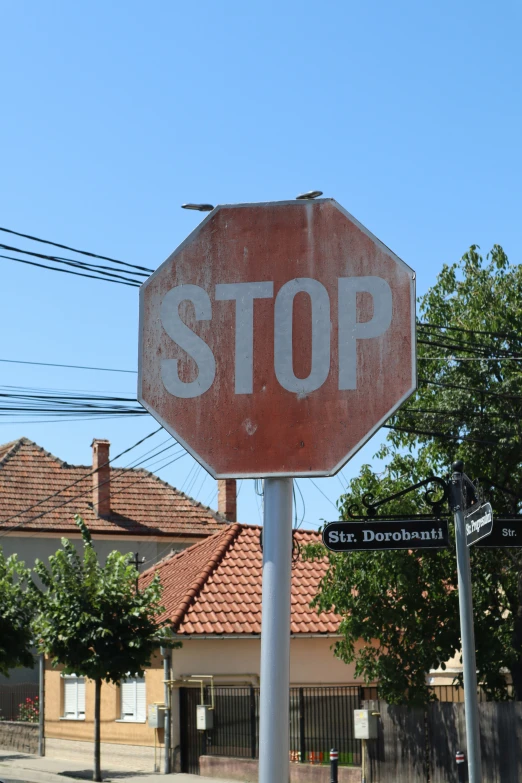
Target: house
[(212, 595), (128, 509)]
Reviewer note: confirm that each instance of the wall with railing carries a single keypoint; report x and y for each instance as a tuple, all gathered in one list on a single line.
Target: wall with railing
[(19, 702)]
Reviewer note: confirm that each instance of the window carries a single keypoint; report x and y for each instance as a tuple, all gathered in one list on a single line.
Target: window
[(73, 697), (133, 702)]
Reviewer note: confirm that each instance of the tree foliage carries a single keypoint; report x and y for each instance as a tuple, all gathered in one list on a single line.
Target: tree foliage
[(404, 605), (17, 603), (93, 621)]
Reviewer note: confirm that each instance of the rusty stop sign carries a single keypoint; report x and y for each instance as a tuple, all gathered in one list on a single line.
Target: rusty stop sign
[(277, 339), (273, 342)]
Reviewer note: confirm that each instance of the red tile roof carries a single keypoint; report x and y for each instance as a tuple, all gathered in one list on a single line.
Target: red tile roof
[(214, 586), (141, 504)]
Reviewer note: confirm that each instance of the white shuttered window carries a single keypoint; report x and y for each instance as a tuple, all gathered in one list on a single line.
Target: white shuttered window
[(133, 701), (74, 697)]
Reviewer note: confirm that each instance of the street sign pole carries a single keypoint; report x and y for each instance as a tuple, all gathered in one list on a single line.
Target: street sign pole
[(467, 633), (274, 741)]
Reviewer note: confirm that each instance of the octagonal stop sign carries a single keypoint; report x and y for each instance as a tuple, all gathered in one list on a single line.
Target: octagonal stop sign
[(277, 339)]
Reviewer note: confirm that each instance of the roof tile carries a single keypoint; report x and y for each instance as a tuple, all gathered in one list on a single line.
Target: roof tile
[(214, 587), (141, 503)]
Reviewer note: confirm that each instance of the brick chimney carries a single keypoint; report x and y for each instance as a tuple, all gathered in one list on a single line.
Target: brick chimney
[(101, 487), (227, 503)]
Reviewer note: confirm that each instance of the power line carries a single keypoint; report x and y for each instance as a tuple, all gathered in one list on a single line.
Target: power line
[(69, 271), (469, 358), (64, 418), (99, 269), (303, 502), (69, 366), (470, 389), (504, 335), (443, 435), (74, 250), (322, 493)]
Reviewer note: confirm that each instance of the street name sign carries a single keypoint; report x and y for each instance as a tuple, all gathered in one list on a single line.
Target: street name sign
[(505, 533), (478, 523), (374, 534), (277, 339)]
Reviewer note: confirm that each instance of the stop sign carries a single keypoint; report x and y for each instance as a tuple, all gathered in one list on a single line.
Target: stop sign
[(277, 339)]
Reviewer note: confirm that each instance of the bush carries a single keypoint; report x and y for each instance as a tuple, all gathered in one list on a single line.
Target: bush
[(29, 710)]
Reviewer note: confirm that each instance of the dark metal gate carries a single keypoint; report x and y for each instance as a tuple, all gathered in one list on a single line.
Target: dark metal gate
[(236, 722), (190, 739), (320, 718)]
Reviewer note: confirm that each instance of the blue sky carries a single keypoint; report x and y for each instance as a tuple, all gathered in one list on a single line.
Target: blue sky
[(113, 114)]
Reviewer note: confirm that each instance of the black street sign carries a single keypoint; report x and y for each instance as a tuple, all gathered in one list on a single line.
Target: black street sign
[(506, 533), (386, 534), (479, 523)]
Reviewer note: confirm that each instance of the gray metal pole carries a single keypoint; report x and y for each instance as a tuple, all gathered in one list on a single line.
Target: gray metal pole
[(467, 633), (167, 730), (274, 743), (41, 705)]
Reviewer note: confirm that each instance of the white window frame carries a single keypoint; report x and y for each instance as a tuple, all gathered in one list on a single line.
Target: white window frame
[(138, 700), (80, 685)]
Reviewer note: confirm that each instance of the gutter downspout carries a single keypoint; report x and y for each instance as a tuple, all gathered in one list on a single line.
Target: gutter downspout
[(168, 712), (41, 705)]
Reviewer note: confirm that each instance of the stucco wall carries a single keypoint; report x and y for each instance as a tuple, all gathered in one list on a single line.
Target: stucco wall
[(29, 547), (312, 661), (112, 730), (229, 660)]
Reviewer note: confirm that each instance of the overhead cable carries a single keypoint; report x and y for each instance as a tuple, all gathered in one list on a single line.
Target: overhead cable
[(100, 269), (73, 250), (69, 366), (69, 271)]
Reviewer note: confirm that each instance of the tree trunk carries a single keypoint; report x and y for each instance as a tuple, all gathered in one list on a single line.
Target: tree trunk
[(97, 699), (516, 671)]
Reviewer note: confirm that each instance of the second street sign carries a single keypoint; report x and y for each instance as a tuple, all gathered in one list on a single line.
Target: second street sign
[(479, 523), (506, 533), (386, 534)]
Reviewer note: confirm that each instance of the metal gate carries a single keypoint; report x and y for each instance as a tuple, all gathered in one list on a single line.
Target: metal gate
[(236, 721), (320, 718), (191, 740)]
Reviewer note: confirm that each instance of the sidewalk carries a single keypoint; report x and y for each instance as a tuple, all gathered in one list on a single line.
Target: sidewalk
[(33, 769)]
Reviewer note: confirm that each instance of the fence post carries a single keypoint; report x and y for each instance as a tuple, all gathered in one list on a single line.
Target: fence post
[(302, 743), (252, 722), (334, 760), (461, 766)]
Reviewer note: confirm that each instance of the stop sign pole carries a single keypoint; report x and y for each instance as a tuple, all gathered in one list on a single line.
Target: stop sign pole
[(274, 706), (274, 342)]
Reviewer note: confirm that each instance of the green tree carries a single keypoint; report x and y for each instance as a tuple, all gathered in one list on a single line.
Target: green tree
[(403, 605), (17, 605), (94, 622)]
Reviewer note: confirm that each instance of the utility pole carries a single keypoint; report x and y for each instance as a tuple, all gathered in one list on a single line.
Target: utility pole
[(467, 633)]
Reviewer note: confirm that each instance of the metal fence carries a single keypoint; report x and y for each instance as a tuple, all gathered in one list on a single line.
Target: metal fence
[(13, 700), (321, 718)]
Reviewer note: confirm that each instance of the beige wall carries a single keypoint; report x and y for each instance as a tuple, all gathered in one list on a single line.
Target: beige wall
[(229, 660), (312, 661), (112, 731)]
